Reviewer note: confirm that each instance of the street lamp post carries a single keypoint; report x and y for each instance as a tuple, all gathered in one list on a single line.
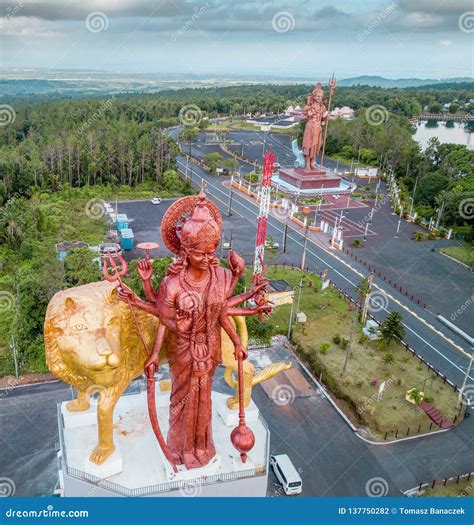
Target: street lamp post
[(399, 222), (303, 258)]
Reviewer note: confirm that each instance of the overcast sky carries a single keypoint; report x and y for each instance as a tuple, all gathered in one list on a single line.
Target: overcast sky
[(392, 38)]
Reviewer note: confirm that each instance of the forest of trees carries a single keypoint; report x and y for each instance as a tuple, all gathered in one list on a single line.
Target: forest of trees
[(120, 140), (84, 143)]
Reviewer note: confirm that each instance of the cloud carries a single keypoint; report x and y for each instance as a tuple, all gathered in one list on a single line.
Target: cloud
[(244, 16), (453, 7)]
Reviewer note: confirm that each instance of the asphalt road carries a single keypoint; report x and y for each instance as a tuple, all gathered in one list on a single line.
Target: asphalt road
[(331, 459), (445, 350)]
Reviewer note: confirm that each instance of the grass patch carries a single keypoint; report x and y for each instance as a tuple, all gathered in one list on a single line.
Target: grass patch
[(329, 320), (461, 489), (464, 254)]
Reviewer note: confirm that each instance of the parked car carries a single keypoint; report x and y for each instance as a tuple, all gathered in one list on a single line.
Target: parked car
[(271, 244), (109, 247), (286, 474), (156, 200)]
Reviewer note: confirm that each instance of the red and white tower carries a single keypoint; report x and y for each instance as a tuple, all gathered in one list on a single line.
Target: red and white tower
[(262, 221)]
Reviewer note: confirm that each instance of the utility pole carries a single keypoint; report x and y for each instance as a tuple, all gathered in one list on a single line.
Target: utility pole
[(300, 286), (351, 336), (187, 164), (290, 320), (231, 193), (303, 258), (285, 233), (365, 305)]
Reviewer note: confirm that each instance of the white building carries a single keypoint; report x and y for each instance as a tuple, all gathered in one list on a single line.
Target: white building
[(346, 113)]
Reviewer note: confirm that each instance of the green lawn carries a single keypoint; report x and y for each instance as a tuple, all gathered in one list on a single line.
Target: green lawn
[(329, 315), (461, 489), (465, 254)]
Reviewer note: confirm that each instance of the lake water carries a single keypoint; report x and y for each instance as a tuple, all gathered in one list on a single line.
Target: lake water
[(446, 132)]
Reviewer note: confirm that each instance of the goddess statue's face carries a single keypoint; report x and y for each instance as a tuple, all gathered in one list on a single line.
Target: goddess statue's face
[(202, 256)]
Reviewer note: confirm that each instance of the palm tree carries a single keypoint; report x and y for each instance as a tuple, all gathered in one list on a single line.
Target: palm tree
[(12, 224), (363, 291)]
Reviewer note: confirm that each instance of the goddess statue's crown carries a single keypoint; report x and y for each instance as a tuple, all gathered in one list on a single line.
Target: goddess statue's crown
[(200, 227)]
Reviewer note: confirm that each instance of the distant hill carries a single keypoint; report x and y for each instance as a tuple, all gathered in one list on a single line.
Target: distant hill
[(376, 81), (31, 84)]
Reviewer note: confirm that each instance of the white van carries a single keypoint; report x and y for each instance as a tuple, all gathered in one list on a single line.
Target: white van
[(286, 474)]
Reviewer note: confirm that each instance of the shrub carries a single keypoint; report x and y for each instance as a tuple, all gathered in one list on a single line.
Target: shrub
[(324, 348), (388, 358), (348, 381), (336, 339), (344, 343), (415, 395)]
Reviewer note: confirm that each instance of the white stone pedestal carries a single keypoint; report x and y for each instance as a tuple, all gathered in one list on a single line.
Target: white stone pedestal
[(79, 419), (138, 466), (231, 417), (113, 465)]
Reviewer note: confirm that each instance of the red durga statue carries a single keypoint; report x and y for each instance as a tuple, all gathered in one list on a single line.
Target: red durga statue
[(193, 303)]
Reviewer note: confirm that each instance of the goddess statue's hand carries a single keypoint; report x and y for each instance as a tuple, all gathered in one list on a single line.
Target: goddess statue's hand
[(261, 287), (145, 270), (240, 351), (265, 309), (236, 263), (151, 364), (126, 295)]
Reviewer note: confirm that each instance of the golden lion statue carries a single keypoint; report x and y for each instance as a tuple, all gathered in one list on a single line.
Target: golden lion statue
[(91, 343)]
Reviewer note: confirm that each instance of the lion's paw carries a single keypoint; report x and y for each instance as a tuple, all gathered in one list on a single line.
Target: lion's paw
[(77, 405), (101, 453), (232, 403)]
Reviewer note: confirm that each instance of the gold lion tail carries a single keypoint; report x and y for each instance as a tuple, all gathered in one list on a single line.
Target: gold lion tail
[(269, 372)]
